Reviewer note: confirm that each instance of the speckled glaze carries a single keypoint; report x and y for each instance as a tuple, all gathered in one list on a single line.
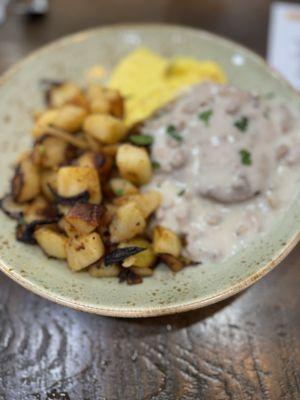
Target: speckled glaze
[(164, 293)]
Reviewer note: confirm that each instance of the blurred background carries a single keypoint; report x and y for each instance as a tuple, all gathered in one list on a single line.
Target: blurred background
[(244, 348), (30, 24)]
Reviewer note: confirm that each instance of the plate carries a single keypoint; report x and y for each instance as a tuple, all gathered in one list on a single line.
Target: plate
[(164, 293)]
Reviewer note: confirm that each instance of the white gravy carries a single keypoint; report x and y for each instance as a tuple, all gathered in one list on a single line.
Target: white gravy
[(229, 162)]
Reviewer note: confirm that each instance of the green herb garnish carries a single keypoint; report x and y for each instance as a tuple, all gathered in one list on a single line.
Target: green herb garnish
[(181, 193), (119, 192), (245, 157), (205, 116), (242, 124), (172, 131), (155, 165), (141, 140)]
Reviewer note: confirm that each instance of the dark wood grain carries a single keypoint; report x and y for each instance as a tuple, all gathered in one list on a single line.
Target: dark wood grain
[(245, 348)]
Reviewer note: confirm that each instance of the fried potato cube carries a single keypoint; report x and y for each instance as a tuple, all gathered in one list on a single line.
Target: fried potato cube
[(84, 218), (48, 178), (122, 187), (46, 119), (144, 259), (166, 241), (50, 152), (105, 101), (71, 181), (84, 250), (134, 164), (51, 242), (175, 264), (143, 272), (147, 202), (35, 209), (105, 128), (99, 270), (26, 181), (127, 222), (70, 118), (101, 161), (66, 93), (66, 227)]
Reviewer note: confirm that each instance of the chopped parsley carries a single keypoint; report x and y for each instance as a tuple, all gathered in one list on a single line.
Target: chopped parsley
[(155, 165), (181, 193), (245, 157), (242, 124), (119, 192), (141, 140), (205, 116), (172, 131)]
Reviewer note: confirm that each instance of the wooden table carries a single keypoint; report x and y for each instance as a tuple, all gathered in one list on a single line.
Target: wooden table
[(244, 348)]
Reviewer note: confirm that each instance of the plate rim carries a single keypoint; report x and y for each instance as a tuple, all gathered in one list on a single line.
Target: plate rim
[(154, 311)]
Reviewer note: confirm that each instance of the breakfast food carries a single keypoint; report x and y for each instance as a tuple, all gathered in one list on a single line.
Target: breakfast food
[(153, 167), (223, 154)]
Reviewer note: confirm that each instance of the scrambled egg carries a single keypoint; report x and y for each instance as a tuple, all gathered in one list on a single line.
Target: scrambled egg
[(149, 81)]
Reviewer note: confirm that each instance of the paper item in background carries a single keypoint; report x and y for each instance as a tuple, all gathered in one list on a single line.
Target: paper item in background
[(284, 41)]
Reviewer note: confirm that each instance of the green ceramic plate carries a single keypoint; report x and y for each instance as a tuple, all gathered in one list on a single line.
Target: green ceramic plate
[(165, 293)]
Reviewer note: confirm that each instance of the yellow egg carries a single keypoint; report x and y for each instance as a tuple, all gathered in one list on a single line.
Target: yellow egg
[(149, 81)]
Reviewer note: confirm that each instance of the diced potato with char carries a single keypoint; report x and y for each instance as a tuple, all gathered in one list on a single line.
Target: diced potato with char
[(99, 270), (35, 209), (122, 187), (70, 118), (52, 242), (66, 93), (166, 241), (148, 201), (84, 250), (46, 119), (144, 259), (127, 222), (48, 178), (134, 164), (71, 181), (26, 181), (105, 128), (69, 229), (105, 101), (101, 161), (144, 272), (175, 264), (50, 152), (84, 218)]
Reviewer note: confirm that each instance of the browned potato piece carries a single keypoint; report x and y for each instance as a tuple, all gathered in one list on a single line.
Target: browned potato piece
[(127, 222), (84, 218), (148, 201), (52, 242), (102, 162), (134, 164), (48, 177), (99, 270), (144, 272), (105, 128), (50, 152), (35, 209), (66, 93), (70, 118), (122, 187), (26, 181), (84, 250), (67, 228), (166, 241), (144, 259), (175, 264), (105, 101), (71, 181), (46, 119)]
